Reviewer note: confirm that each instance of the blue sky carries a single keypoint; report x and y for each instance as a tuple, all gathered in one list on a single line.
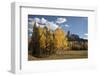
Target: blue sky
[(75, 24)]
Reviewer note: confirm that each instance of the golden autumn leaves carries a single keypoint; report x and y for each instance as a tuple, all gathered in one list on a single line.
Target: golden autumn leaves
[(60, 41), (45, 42)]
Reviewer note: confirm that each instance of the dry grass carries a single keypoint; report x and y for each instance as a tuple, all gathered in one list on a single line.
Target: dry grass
[(63, 55)]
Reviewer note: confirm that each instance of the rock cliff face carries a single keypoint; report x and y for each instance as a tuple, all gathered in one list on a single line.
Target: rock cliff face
[(76, 43)]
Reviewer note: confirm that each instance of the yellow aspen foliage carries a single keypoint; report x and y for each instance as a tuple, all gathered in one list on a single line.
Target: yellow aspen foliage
[(60, 41), (49, 40), (42, 37)]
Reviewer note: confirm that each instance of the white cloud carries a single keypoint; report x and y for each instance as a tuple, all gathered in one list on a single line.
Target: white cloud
[(41, 25), (37, 20), (85, 36), (53, 26), (30, 29), (29, 35), (31, 19), (31, 23), (43, 21), (66, 25), (61, 20)]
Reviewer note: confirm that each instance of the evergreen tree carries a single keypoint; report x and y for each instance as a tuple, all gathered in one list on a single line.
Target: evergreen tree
[(35, 39)]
